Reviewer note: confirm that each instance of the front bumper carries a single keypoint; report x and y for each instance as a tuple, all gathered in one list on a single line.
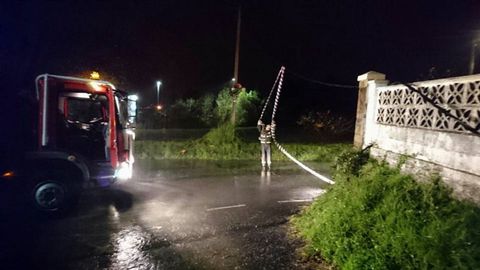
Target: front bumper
[(102, 174)]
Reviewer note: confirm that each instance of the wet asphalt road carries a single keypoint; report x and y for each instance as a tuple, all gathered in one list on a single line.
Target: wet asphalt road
[(172, 215)]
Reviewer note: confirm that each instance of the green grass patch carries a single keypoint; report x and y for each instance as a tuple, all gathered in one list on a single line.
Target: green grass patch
[(223, 143), (379, 218)]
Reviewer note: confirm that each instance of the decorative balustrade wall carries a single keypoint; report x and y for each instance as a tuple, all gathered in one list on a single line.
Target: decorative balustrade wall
[(400, 106), (438, 128)]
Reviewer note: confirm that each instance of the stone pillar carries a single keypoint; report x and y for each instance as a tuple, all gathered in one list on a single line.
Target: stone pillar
[(362, 102)]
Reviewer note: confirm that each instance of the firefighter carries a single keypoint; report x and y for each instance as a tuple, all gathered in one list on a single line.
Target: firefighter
[(265, 140)]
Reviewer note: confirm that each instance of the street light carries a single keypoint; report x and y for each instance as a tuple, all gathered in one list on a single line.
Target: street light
[(159, 83)]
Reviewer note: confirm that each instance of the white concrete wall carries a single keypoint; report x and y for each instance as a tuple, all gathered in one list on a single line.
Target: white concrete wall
[(453, 155)]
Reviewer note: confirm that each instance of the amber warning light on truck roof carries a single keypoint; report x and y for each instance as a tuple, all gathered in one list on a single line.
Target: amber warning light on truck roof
[(95, 75)]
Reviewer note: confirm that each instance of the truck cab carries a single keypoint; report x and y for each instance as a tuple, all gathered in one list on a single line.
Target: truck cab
[(85, 134)]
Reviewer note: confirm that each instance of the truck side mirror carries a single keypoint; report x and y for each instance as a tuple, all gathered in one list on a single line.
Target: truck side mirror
[(132, 109)]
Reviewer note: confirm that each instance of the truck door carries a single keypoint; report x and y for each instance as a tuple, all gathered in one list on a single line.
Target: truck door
[(83, 123)]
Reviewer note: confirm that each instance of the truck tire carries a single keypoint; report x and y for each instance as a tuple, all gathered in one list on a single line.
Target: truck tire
[(54, 194)]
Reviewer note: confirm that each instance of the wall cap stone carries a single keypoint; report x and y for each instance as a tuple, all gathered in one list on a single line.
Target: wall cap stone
[(371, 75)]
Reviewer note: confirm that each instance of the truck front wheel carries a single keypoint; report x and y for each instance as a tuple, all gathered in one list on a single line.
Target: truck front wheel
[(49, 195), (52, 196)]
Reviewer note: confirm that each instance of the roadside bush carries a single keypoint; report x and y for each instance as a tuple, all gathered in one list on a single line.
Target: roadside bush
[(224, 134), (382, 219), (350, 161), (223, 143)]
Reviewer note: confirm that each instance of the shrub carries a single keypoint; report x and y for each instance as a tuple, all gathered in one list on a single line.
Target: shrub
[(350, 161), (382, 219), (223, 143), (224, 134)]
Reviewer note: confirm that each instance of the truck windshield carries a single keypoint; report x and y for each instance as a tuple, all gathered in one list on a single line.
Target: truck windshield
[(86, 110)]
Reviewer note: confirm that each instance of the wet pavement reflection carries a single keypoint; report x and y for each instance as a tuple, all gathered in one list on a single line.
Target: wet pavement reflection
[(171, 215)]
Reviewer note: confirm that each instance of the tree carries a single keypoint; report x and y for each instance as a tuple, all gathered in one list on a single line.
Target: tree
[(247, 104), (247, 107), (185, 113), (223, 109), (207, 110)]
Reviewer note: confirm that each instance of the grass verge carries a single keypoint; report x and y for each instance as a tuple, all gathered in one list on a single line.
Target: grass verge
[(379, 218), (223, 144)]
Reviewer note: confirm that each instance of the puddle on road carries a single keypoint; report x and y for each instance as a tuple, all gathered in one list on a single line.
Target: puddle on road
[(177, 169), (130, 250), (213, 184)]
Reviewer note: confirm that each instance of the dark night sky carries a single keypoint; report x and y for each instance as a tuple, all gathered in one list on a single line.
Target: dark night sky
[(189, 45)]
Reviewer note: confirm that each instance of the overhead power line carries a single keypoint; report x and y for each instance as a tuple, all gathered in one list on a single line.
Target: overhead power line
[(322, 83)]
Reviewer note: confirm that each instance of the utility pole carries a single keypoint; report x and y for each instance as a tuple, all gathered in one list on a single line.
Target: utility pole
[(236, 87), (237, 45)]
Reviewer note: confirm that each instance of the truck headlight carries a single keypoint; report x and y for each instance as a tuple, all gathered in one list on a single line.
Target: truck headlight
[(124, 171)]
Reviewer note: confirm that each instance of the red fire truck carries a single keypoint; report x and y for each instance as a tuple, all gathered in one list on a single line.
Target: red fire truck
[(85, 133)]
